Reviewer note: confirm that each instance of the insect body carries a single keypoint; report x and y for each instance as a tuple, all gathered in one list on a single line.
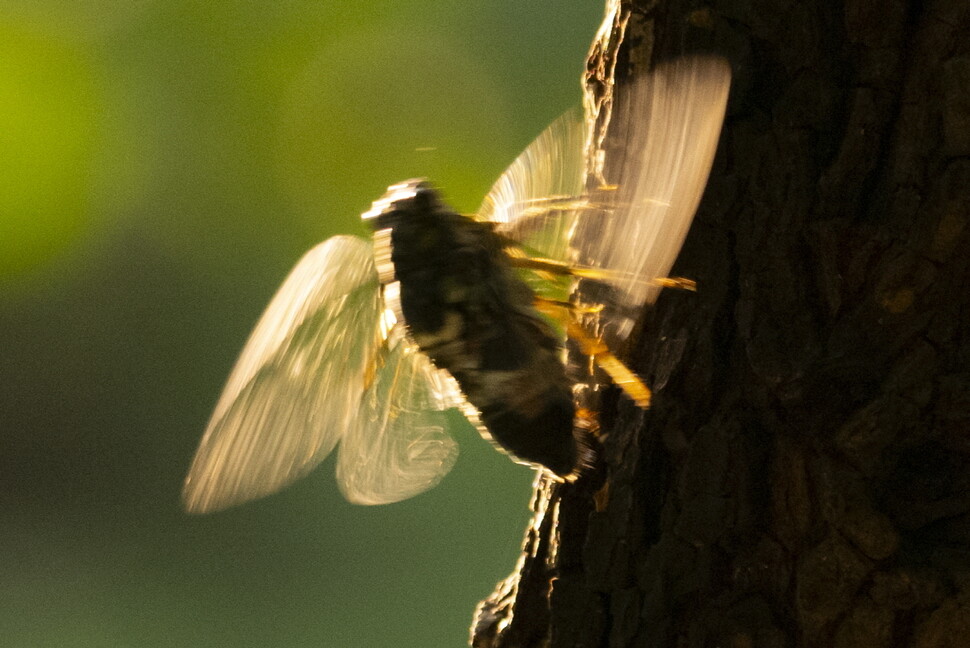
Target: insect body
[(371, 344), (466, 308)]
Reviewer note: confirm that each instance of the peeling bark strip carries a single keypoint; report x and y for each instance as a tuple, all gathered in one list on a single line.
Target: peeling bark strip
[(803, 477)]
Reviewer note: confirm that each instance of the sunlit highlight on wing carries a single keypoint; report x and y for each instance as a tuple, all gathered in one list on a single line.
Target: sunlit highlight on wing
[(672, 119), (295, 389), (536, 199), (632, 229), (399, 445)]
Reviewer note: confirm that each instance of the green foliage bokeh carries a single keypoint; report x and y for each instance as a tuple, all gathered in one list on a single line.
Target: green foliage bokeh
[(162, 164)]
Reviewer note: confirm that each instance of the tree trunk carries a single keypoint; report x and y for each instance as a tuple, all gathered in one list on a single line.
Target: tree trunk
[(803, 476)]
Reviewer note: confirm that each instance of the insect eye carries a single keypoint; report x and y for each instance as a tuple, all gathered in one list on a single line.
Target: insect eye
[(425, 199), (399, 202), (402, 201)]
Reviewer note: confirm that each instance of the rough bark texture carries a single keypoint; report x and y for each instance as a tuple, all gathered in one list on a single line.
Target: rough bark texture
[(803, 478)]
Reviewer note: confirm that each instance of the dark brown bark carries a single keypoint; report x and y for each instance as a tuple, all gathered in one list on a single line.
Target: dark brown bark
[(803, 477)]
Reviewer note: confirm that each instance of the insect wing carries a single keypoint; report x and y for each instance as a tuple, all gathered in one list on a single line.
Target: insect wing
[(399, 445), (295, 389), (535, 201), (672, 122), (632, 229)]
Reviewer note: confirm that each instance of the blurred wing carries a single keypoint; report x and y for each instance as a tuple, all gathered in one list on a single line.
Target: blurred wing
[(669, 122), (535, 201), (672, 122), (399, 445), (295, 388)]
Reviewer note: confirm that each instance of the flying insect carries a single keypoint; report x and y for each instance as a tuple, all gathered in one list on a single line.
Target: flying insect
[(370, 344)]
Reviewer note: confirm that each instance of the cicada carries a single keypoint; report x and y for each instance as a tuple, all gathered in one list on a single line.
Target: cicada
[(374, 344)]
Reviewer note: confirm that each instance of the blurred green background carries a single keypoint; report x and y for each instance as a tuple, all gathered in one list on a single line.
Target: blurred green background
[(163, 163)]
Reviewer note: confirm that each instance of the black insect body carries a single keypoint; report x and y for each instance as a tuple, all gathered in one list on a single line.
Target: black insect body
[(467, 309), (374, 344)]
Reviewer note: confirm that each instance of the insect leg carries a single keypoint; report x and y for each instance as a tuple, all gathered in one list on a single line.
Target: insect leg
[(564, 269), (595, 348)]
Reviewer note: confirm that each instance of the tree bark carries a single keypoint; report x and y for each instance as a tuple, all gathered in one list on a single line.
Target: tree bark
[(803, 476)]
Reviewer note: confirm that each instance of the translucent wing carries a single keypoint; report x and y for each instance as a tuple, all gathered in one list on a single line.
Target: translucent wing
[(535, 201), (295, 389), (672, 121), (399, 445), (669, 122)]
